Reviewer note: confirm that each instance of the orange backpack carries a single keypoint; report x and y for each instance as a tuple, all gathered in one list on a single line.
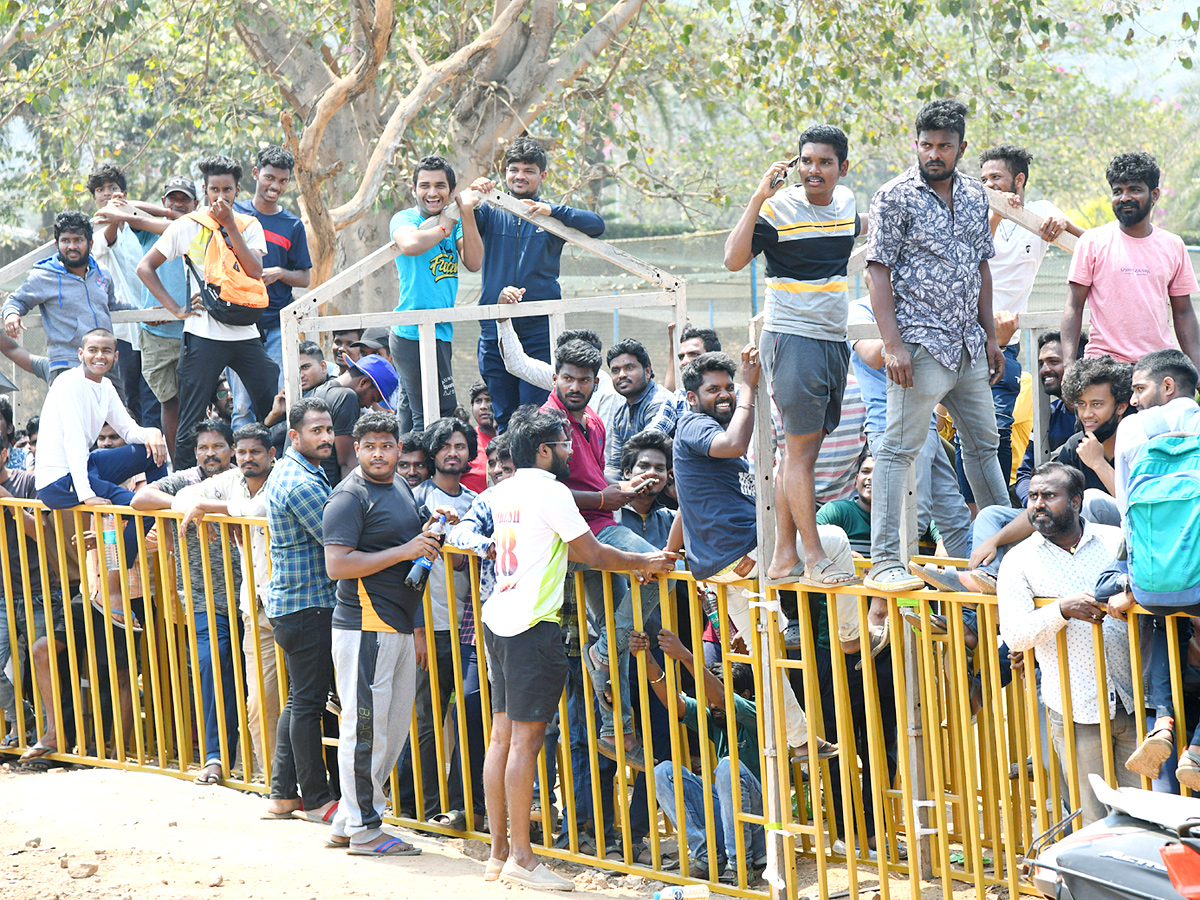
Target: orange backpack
[(230, 295)]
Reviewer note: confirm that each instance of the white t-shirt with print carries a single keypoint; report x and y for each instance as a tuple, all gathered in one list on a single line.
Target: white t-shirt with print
[(189, 236), (1019, 254), (535, 518)]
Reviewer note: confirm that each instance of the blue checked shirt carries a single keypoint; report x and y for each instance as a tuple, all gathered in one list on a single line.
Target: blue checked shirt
[(296, 494), (633, 417), (934, 254)]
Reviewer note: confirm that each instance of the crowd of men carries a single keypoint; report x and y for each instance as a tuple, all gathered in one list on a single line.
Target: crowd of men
[(573, 458)]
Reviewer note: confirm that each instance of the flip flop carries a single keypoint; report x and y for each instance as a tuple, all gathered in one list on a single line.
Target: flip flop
[(634, 756), (37, 751), (937, 623), (938, 579), (207, 778), (390, 847), (878, 638), (825, 569), (117, 616), (986, 581), (455, 820), (314, 816)]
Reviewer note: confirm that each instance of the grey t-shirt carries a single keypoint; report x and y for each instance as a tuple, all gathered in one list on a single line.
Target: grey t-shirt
[(429, 496)]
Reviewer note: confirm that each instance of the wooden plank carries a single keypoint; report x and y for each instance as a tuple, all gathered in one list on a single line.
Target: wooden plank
[(857, 262), (343, 280), (572, 306), (1026, 219), (290, 337), (593, 245), (22, 264)]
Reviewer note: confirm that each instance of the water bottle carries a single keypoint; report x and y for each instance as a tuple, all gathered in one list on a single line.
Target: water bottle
[(681, 892), (110, 542), (419, 573)]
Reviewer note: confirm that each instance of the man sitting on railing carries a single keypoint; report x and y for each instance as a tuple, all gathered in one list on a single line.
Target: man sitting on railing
[(716, 520), (1063, 560), (1163, 381), (77, 406)]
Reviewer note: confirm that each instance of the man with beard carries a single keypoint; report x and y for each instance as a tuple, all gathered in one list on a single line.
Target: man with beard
[(214, 452), (518, 253), (239, 492), (74, 293), (1063, 560), (300, 601), (577, 364), (537, 521), (451, 447), (431, 244), (1135, 275), (806, 233), (633, 377), (373, 532), (414, 461), (931, 292), (716, 501), (1019, 254)]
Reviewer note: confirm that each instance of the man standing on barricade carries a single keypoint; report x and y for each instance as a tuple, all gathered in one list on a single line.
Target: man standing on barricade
[(372, 536), (536, 519), (807, 233), (1063, 560), (716, 502), (931, 292), (1136, 276), (1019, 254), (431, 244), (300, 601), (519, 253)]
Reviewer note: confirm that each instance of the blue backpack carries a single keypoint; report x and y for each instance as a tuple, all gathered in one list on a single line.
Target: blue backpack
[(1162, 522)]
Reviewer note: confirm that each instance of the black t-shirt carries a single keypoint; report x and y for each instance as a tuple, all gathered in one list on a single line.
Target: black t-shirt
[(370, 517), (343, 407), (1068, 454)]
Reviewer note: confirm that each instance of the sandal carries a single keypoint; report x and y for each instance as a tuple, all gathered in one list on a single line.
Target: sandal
[(939, 579), (1188, 770), (207, 776), (826, 574), (634, 756), (1156, 749), (117, 616), (455, 820), (390, 847), (878, 638)]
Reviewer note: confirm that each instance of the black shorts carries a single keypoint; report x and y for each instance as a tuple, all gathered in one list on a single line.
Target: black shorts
[(808, 379), (527, 672)]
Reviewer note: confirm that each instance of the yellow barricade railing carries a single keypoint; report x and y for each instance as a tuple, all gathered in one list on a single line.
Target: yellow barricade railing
[(921, 788)]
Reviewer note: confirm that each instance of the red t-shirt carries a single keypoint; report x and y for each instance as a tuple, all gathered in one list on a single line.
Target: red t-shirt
[(475, 478), (587, 460)]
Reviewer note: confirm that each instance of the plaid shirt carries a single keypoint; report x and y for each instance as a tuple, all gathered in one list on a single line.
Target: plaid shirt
[(474, 532), (296, 494)]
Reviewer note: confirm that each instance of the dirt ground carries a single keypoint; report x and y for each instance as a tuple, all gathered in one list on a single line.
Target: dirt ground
[(155, 838)]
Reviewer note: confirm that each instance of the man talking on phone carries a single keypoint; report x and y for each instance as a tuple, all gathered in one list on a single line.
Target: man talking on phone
[(806, 233)]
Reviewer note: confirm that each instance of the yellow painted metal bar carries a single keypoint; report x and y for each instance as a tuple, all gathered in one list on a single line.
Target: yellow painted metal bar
[(912, 823), (703, 705), (847, 761), (460, 701), (958, 693), (678, 744), (435, 687), (1139, 689), (193, 650), (1068, 718), (133, 673), (1101, 669), (233, 567), (589, 707), (886, 844), (1176, 663)]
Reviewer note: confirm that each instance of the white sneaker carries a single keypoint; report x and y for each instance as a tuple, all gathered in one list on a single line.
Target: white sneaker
[(539, 878)]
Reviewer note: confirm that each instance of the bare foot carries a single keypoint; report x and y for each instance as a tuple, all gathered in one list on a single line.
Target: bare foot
[(281, 807)]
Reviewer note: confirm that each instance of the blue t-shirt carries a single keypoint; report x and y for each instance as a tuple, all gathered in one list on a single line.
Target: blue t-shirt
[(174, 279), (287, 247), (428, 281), (716, 498)]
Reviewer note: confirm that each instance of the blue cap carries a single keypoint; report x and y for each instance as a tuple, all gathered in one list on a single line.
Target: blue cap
[(381, 373)]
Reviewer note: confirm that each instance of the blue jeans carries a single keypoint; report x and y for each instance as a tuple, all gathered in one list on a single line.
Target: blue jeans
[(623, 539), (243, 414), (938, 497), (208, 690), (1155, 634), (1004, 398), (754, 837), (693, 808), (507, 390), (107, 471), (965, 392)]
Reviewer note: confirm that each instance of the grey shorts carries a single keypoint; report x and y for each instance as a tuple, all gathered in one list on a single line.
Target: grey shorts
[(807, 378), (160, 362)]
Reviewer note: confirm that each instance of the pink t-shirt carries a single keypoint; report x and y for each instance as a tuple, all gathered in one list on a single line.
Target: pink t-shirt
[(1132, 281)]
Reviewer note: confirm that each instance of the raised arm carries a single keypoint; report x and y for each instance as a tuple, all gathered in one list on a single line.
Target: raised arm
[(639, 642), (735, 440), (739, 244)]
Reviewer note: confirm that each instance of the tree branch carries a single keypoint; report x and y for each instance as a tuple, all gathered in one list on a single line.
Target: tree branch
[(426, 89)]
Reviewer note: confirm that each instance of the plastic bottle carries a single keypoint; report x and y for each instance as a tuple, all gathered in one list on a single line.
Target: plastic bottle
[(419, 573), (682, 892)]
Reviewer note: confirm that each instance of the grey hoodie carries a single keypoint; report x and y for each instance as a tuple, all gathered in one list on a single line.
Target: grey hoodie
[(73, 306)]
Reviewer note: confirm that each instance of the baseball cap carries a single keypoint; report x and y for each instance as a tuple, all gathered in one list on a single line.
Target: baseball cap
[(381, 373), (373, 339), (180, 183)]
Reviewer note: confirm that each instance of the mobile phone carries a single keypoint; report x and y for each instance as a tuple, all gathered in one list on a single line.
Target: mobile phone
[(782, 176)]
